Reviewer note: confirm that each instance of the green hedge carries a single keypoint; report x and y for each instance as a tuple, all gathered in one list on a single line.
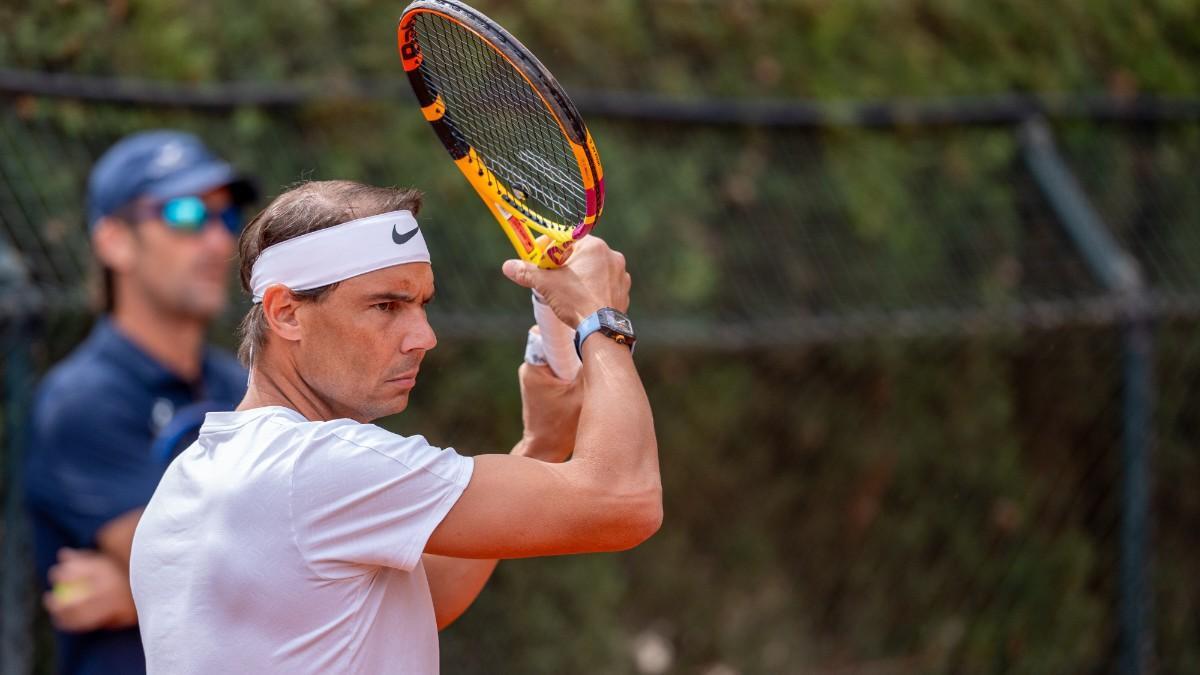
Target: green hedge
[(815, 48)]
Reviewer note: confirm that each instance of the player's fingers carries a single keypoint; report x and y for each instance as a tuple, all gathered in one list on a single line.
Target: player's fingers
[(589, 242), (531, 372), (521, 273), (544, 374)]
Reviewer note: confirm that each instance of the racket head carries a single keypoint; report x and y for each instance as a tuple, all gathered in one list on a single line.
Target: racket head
[(507, 124)]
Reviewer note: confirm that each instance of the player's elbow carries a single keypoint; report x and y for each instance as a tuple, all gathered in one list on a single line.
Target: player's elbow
[(649, 518), (636, 519)]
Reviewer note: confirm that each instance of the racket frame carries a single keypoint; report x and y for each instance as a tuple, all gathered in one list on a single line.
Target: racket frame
[(520, 223)]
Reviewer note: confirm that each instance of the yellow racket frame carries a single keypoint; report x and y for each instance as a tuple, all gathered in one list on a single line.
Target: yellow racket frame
[(520, 223)]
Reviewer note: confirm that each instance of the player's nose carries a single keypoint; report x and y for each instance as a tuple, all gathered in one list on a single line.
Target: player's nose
[(420, 336)]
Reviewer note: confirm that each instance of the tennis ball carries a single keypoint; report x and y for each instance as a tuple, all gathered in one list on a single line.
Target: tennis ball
[(66, 591)]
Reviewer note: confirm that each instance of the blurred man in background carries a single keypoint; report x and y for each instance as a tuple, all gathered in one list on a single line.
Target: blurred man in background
[(163, 218)]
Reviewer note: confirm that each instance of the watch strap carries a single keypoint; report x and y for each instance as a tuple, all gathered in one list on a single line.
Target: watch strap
[(593, 323), (590, 324)]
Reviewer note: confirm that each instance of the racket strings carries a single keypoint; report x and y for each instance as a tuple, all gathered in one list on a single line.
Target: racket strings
[(491, 107), (523, 166)]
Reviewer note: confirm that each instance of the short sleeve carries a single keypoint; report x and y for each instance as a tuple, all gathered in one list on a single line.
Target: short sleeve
[(362, 496), (88, 462)]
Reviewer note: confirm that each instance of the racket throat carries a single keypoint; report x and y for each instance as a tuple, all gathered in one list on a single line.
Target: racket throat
[(517, 232), (555, 253)]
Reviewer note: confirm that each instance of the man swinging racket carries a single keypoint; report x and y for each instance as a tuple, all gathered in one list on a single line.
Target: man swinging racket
[(295, 536)]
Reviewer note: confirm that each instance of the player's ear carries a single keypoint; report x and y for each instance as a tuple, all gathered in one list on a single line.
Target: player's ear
[(114, 243), (279, 308)]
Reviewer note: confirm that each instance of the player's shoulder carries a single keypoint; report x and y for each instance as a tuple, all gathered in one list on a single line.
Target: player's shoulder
[(345, 439), (326, 442), (369, 436)]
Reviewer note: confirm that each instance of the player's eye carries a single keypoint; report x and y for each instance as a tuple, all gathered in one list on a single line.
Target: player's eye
[(385, 306)]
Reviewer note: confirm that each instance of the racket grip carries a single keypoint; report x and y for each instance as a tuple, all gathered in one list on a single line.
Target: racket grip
[(557, 342)]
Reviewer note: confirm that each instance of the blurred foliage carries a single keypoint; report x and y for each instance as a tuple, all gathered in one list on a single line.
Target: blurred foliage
[(927, 506), (813, 48), (845, 500)]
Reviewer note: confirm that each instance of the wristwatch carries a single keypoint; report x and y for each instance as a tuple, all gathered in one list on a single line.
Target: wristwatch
[(608, 322)]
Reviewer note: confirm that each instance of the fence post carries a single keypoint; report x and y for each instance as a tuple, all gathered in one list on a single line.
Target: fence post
[(1120, 274)]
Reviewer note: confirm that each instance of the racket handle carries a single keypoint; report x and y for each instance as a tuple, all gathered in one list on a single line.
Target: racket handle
[(557, 342)]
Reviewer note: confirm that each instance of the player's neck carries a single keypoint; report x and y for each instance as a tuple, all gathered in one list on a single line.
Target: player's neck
[(275, 384), (175, 341)]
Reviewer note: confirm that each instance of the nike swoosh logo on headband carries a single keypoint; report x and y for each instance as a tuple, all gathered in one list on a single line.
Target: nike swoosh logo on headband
[(403, 238)]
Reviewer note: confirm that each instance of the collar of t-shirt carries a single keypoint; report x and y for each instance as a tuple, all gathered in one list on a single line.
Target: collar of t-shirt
[(229, 419)]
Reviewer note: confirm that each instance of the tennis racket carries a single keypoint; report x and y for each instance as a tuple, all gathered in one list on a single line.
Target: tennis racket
[(517, 138)]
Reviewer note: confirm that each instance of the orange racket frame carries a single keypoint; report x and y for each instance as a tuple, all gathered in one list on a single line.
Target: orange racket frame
[(517, 218)]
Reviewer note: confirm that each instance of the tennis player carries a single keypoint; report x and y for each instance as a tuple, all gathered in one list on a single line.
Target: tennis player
[(295, 536)]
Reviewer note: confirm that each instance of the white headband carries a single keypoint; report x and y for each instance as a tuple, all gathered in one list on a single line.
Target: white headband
[(339, 252)]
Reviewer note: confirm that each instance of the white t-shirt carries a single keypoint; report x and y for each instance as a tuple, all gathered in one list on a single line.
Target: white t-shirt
[(279, 545)]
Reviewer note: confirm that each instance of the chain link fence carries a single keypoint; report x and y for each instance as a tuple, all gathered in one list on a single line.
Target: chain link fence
[(924, 374)]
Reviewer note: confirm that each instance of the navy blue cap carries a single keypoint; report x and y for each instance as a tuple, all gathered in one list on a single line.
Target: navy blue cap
[(160, 164)]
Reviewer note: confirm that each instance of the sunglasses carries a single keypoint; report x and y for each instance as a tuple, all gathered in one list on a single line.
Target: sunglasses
[(189, 214)]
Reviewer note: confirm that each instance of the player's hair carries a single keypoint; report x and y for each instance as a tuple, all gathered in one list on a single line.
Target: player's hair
[(308, 207)]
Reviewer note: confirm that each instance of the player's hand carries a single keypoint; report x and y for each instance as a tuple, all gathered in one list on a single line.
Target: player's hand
[(594, 277), (90, 591), (550, 410)]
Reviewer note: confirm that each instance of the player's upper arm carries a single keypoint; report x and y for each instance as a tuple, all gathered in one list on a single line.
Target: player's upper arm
[(360, 496), (516, 507)]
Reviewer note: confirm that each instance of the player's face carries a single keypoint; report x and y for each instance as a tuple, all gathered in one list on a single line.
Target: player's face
[(186, 272), (362, 344)]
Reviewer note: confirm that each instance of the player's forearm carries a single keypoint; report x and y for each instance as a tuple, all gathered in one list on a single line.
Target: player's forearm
[(616, 447), (552, 451), (616, 425), (553, 448), (454, 583)]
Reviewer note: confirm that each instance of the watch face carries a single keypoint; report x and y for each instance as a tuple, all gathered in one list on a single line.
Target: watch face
[(616, 321)]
